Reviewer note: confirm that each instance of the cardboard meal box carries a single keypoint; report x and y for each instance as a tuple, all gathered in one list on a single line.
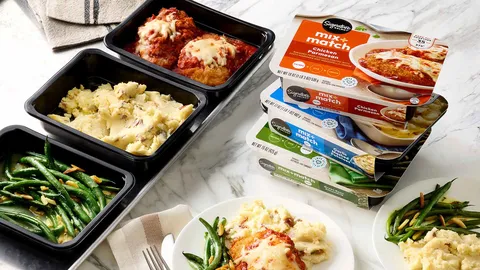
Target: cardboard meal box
[(365, 147), (284, 159), (357, 69)]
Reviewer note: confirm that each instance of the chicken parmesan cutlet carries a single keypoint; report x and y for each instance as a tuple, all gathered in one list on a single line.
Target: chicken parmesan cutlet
[(267, 250), (398, 66), (211, 59), (436, 53), (162, 37)]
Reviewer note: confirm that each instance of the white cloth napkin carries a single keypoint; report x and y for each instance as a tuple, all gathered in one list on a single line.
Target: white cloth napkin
[(91, 11), (138, 234)]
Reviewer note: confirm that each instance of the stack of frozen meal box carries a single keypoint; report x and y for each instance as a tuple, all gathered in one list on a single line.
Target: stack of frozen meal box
[(352, 107)]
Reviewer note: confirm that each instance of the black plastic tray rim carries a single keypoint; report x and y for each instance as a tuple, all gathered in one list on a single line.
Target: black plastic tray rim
[(30, 108), (269, 38), (129, 182)]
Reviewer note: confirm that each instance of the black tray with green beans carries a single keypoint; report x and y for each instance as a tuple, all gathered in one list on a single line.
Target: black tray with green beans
[(51, 193)]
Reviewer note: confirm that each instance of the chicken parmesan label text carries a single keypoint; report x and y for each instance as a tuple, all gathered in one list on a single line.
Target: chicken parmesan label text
[(323, 48)]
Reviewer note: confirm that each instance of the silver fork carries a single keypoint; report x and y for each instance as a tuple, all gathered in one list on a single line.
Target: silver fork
[(154, 259)]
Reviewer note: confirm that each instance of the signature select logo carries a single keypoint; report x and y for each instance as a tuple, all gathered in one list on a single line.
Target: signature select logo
[(337, 26), (298, 93), (267, 164), (280, 126)]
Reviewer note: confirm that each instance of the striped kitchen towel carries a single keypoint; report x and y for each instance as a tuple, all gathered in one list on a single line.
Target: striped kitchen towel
[(60, 34), (138, 234), (91, 11)]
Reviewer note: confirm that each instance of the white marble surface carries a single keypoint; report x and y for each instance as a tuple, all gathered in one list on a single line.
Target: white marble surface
[(219, 165)]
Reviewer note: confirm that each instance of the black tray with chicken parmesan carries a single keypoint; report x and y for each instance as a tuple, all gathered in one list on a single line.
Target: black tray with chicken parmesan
[(191, 44)]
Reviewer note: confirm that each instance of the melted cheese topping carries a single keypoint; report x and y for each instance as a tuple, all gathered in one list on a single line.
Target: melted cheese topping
[(268, 256), (436, 52), (211, 52), (156, 28), (430, 68)]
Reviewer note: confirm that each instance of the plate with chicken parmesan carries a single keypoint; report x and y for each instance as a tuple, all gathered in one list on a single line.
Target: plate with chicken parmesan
[(262, 233), (397, 63)]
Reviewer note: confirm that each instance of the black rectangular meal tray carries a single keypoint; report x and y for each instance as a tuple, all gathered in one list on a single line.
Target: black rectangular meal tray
[(19, 139), (92, 67), (205, 18)]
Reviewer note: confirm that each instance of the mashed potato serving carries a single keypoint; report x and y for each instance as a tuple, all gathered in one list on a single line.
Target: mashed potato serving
[(126, 116), (254, 218), (442, 250)]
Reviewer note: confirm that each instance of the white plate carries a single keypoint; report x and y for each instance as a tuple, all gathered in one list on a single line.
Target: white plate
[(360, 51), (191, 238), (463, 189)]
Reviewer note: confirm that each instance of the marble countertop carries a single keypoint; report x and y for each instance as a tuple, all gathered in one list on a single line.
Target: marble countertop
[(219, 165)]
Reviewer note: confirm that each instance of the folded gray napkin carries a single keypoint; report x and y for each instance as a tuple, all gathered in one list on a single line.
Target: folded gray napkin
[(61, 34), (91, 11)]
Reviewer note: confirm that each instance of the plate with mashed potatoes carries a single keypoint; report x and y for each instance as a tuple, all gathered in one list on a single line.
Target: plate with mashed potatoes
[(432, 224), (262, 233)]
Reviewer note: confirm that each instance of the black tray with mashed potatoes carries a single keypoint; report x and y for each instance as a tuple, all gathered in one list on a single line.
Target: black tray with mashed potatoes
[(122, 118), (204, 20)]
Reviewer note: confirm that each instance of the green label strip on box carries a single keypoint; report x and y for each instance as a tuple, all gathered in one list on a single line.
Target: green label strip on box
[(287, 174)]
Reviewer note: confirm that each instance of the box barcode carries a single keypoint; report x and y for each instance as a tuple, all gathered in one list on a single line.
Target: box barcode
[(298, 76), (283, 108), (265, 148)]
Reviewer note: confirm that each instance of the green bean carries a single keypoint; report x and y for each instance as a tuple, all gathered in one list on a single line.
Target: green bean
[(389, 223), (453, 205), (87, 197), (66, 178), (109, 188), (225, 255), (48, 153), (194, 265), (28, 227), (411, 205), (26, 172), (56, 184), (207, 250), (78, 223), (81, 176), (6, 183), (58, 230), (193, 257), (87, 210), (26, 183), (429, 228), (50, 213), (215, 228), (105, 180), (454, 212), (7, 203), (46, 231), (6, 166), (66, 221), (216, 242), (20, 199), (437, 195), (469, 223)]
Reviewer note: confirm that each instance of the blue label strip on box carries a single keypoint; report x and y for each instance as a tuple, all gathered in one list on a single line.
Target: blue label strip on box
[(322, 115), (322, 146)]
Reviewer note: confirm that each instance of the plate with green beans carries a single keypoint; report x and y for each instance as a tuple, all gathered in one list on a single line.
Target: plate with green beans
[(443, 203), (203, 243), (49, 198)]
